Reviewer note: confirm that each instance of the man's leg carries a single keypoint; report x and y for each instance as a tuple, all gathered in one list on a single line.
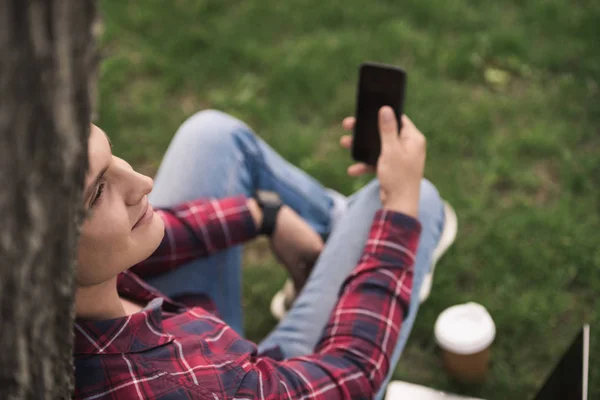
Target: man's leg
[(299, 331), (216, 155)]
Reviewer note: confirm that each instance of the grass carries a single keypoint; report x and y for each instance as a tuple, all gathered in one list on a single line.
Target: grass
[(507, 93)]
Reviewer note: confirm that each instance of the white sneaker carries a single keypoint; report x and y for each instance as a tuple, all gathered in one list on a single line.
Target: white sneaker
[(283, 299), (446, 240)]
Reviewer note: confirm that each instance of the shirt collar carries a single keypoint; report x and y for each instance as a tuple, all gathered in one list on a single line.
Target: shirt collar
[(133, 333)]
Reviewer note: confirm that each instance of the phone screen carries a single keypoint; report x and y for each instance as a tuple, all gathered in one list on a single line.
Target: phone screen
[(379, 85)]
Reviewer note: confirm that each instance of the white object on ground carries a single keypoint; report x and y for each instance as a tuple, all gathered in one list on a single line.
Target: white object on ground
[(399, 390)]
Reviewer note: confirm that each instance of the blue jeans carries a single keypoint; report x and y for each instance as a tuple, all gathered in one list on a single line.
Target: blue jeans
[(216, 155)]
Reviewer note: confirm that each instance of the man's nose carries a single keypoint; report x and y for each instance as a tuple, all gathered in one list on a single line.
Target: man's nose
[(148, 184), (140, 185)]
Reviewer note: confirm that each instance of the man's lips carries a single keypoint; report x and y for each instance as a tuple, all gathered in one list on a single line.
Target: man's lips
[(146, 215)]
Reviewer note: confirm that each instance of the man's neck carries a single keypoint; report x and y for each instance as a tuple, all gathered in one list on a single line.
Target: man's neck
[(99, 302)]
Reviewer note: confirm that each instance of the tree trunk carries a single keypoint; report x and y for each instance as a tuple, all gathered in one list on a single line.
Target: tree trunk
[(47, 64)]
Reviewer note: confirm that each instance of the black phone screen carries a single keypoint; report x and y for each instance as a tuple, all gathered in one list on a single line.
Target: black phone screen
[(379, 85)]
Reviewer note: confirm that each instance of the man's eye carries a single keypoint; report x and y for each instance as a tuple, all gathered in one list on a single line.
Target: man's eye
[(98, 193)]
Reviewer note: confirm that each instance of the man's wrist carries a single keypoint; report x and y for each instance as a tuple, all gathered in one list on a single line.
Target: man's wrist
[(410, 208), (270, 205)]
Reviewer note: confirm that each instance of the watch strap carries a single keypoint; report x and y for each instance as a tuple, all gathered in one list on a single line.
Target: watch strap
[(269, 219), (270, 204)]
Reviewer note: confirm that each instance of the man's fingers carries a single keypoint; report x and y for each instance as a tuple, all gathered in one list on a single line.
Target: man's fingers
[(388, 126), (360, 169), (407, 125), (348, 123), (346, 141), (411, 133)]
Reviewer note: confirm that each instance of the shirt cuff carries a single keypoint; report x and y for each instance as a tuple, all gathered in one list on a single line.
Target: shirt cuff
[(242, 226)]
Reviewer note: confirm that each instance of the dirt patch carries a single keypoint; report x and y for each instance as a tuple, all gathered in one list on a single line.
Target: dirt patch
[(549, 181)]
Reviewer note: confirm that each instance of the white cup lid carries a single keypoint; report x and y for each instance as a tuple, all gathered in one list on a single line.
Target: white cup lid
[(465, 329)]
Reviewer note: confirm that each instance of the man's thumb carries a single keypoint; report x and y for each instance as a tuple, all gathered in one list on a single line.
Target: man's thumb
[(388, 126)]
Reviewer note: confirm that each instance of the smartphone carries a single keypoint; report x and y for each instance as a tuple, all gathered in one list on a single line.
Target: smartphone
[(379, 85)]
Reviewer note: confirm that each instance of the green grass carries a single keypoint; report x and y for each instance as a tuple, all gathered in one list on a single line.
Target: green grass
[(507, 93)]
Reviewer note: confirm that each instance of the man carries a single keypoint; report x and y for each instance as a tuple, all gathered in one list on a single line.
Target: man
[(344, 332)]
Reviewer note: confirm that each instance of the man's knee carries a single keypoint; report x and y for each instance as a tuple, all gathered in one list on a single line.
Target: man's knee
[(212, 127), (430, 200), (431, 215)]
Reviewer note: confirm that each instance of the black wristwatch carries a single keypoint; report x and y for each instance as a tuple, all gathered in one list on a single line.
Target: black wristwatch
[(270, 204)]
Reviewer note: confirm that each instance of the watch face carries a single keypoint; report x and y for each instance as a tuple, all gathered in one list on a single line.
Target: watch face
[(267, 197)]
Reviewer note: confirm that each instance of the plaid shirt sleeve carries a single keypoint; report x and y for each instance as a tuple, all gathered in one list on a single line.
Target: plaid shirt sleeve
[(197, 229), (353, 356)]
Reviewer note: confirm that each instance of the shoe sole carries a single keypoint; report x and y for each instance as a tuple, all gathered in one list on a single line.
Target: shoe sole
[(278, 305), (278, 308), (446, 240)]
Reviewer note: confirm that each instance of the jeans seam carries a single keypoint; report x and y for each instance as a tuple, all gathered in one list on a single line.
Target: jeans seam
[(265, 166)]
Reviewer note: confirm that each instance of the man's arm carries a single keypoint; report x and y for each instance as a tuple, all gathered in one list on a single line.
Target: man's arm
[(200, 228), (352, 358)]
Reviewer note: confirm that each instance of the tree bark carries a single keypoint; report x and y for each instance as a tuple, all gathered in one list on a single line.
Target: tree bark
[(47, 65)]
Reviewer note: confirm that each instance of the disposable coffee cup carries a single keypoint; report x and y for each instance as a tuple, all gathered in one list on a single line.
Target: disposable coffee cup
[(465, 333)]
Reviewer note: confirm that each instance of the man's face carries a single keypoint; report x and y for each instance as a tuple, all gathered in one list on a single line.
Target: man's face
[(121, 229)]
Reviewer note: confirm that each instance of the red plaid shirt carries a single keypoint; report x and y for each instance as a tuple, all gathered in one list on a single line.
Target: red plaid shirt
[(174, 351)]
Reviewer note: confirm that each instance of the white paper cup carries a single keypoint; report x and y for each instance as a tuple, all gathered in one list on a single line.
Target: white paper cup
[(465, 333)]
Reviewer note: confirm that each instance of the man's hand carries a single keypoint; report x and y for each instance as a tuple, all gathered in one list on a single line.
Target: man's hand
[(400, 165), (296, 245)]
